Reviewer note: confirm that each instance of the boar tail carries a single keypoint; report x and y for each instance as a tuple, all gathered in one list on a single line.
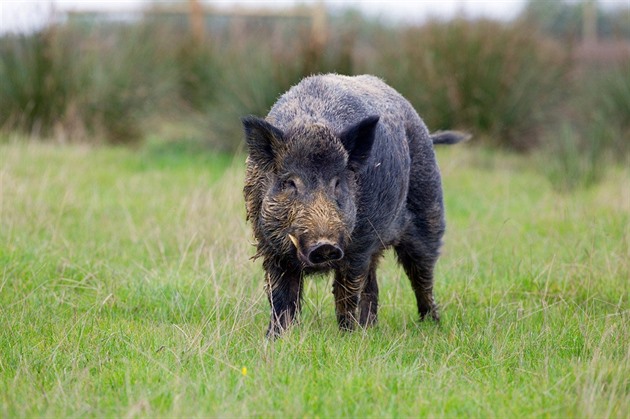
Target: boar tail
[(449, 137)]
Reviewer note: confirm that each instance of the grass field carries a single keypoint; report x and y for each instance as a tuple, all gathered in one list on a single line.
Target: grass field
[(126, 289)]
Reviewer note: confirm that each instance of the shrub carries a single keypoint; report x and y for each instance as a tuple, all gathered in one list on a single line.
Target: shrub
[(503, 82), (82, 83), (39, 82), (131, 73), (594, 133), (607, 107), (257, 67), (499, 81), (197, 73)]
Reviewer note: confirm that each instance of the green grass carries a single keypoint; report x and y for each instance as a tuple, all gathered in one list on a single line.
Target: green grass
[(126, 289)]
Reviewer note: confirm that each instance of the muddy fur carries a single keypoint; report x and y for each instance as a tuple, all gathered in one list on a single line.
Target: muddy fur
[(339, 170)]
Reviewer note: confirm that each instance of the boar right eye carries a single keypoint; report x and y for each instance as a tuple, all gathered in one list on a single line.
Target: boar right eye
[(336, 186)]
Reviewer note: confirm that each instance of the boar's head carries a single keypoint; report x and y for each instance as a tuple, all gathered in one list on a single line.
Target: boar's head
[(308, 179)]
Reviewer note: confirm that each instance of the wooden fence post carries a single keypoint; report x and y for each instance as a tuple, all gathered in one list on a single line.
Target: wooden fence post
[(319, 29), (589, 22), (196, 20)]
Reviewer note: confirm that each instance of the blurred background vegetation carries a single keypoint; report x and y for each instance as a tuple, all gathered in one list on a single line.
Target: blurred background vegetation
[(554, 81)]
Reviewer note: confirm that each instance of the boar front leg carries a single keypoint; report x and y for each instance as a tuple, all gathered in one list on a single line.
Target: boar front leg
[(346, 289), (368, 303), (284, 290)]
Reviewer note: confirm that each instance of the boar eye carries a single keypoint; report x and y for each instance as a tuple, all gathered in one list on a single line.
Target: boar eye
[(289, 185), (336, 186)]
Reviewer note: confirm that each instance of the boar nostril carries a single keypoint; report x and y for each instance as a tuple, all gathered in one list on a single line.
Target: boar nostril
[(324, 252)]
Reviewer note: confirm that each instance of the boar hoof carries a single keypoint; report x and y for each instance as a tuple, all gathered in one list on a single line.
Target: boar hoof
[(274, 331), (347, 323), (432, 314)]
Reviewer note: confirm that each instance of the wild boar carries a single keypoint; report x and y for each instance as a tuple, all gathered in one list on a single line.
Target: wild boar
[(341, 169)]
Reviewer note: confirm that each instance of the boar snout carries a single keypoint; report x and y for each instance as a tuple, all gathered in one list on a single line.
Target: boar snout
[(318, 253), (323, 252)]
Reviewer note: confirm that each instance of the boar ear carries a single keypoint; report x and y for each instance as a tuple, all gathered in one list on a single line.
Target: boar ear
[(263, 140), (358, 140)]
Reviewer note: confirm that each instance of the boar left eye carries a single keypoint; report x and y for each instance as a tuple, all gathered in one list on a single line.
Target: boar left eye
[(289, 185)]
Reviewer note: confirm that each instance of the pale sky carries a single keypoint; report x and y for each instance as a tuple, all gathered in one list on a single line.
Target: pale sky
[(19, 15)]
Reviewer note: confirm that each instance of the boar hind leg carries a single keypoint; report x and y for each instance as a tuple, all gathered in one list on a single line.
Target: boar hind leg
[(368, 302), (419, 268), (284, 290)]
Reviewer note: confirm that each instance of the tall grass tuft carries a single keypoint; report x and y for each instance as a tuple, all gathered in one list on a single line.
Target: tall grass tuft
[(572, 160)]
